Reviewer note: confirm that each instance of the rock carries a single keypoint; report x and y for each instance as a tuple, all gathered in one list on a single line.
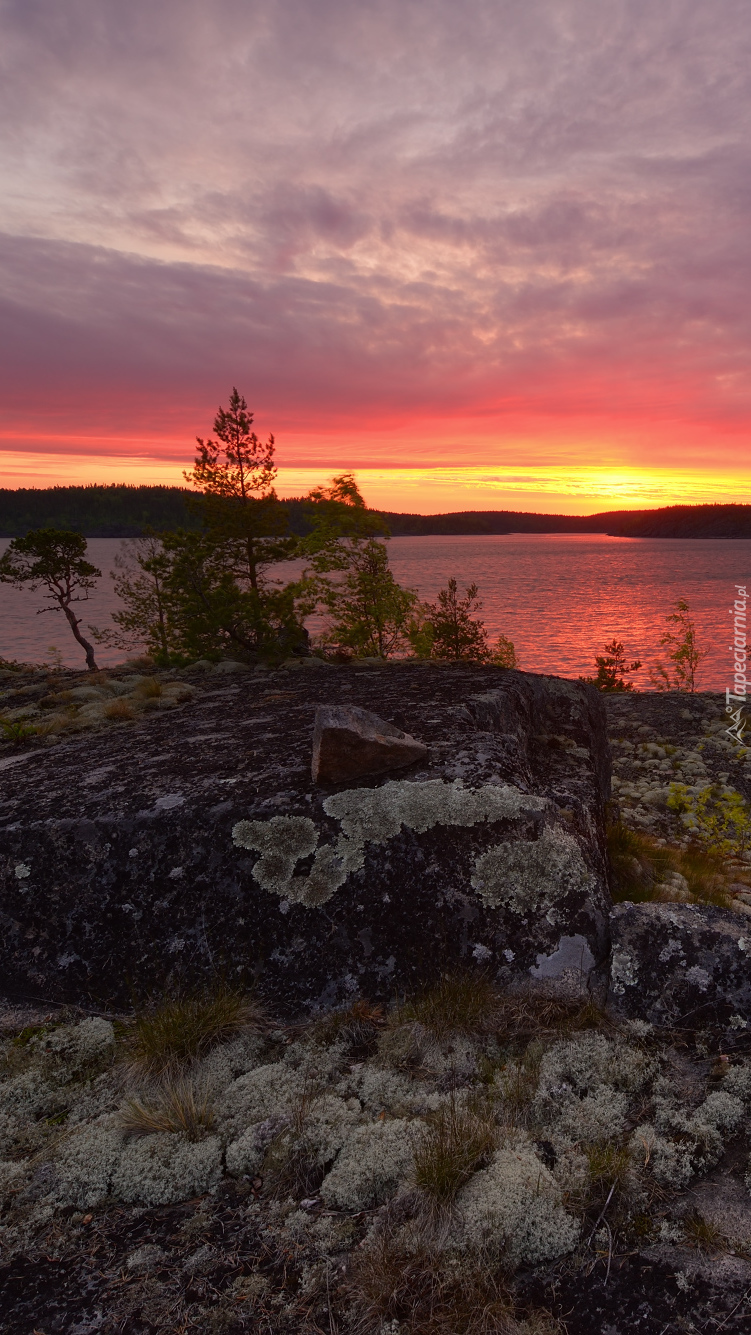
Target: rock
[(231, 665), (349, 743), (681, 966), (194, 844)]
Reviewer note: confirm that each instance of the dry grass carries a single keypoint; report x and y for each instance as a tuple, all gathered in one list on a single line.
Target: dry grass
[(176, 1031), (150, 689), (428, 1294), (704, 872), (518, 1082), (457, 1143), (176, 1105), (526, 1016), (120, 710), (639, 865), (464, 1003)]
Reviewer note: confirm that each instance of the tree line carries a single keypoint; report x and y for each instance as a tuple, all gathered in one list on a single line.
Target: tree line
[(214, 587)]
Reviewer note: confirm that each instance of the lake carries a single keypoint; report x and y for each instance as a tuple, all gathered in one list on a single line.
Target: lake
[(559, 597)]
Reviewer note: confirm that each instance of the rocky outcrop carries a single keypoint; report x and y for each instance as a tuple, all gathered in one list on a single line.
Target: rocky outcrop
[(195, 844), (681, 966)]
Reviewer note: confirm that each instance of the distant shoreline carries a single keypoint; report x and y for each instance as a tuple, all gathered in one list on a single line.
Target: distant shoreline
[(126, 511)]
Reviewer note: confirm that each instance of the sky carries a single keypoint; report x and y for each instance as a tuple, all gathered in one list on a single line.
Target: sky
[(486, 254)]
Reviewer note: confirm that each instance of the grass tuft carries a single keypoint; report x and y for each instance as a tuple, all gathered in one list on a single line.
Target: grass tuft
[(175, 1106), (176, 1031), (460, 1003), (149, 689), (703, 1235), (637, 864), (357, 1025), (120, 710), (457, 1143)]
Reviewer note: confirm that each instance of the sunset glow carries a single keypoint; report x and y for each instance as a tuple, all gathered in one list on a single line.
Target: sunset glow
[(486, 256)]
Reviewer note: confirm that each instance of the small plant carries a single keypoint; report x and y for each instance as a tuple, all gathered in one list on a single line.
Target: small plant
[(175, 1106), (394, 1285), (179, 1030), (609, 1167), (356, 1025), (518, 1082), (684, 653), (703, 870), (292, 1164), (120, 710), (457, 1143), (16, 731), (719, 820), (504, 653), (459, 1003)]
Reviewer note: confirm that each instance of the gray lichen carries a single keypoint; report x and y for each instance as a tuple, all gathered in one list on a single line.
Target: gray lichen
[(527, 876), (366, 816)]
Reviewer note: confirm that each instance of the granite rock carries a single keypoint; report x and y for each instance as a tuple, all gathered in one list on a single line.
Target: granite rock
[(193, 844), (681, 966)]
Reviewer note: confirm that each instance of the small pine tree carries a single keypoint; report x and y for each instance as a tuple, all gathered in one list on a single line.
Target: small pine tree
[(504, 654), (457, 634), (235, 475), (142, 582), (612, 669)]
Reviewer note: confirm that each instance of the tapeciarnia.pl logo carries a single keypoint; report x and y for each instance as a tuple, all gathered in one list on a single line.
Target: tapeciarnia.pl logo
[(740, 659)]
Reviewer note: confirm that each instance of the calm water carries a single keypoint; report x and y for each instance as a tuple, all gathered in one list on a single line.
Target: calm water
[(559, 597)]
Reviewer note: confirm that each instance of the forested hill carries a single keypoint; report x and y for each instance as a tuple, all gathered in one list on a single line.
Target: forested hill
[(122, 511), (673, 521)]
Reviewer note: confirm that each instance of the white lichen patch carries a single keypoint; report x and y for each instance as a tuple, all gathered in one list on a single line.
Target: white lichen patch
[(585, 1088), (366, 816), (680, 1142), (513, 1208), (528, 876), (375, 1161)]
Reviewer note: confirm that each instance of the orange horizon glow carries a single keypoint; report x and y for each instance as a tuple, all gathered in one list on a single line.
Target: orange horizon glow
[(545, 489)]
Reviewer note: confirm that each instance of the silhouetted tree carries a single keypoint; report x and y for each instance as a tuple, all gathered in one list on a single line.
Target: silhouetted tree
[(53, 560)]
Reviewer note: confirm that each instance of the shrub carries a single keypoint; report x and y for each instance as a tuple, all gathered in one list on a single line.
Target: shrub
[(717, 817), (179, 1030)]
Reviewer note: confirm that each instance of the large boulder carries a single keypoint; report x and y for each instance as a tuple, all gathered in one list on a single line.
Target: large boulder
[(681, 966), (196, 845)]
